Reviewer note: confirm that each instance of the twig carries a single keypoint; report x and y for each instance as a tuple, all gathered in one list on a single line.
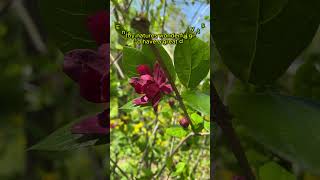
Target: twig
[(118, 7), (30, 26), (177, 148), (122, 172), (164, 15), (223, 118), (127, 8), (198, 158), (114, 61), (146, 150)]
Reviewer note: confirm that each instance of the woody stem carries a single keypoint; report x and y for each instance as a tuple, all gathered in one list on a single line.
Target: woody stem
[(174, 87)]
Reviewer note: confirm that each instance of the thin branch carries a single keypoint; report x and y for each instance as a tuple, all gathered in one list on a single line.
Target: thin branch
[(199, 157), (122, 172), (114, 61), (164, 16), (119, 8), (178, 147), (223, 118), (30, 26), (148, 145)]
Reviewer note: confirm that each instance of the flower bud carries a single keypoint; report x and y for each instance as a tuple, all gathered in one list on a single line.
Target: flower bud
[(171, 103), (184, 122)]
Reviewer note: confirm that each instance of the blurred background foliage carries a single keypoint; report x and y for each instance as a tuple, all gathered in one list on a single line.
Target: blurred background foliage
[(36, 98)]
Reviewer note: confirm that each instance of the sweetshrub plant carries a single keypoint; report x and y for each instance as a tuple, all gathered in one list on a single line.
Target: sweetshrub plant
[(165, 130)]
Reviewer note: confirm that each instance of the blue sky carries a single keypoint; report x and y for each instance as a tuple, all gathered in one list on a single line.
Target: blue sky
[(189, 10)]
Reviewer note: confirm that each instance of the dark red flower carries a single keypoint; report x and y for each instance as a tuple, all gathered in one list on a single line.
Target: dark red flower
[(152, 86), (184, 122), (90, 69), (171, 103)]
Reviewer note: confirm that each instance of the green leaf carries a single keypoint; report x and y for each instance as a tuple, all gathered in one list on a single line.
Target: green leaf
[(176, 131), (180, 168), (63, 140), (197, 122), (191, 61), (288, 126), (271, 171), (258, 40), (131, 59), (147, 51), (206, 125), (197, 101), (129, 106), (65, 22), (169, 162)]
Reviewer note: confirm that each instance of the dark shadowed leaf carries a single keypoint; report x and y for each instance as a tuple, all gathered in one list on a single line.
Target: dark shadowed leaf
[(62, 140), (258, 40), (288, 126), (307, 79), (271, 171), (65, 22)]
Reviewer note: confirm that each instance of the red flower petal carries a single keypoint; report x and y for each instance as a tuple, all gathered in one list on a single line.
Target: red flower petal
[(90, 71), (74, 60), (156, 99), (151, 90), (90, 125), (91, 86), (159, 75), (167, 89), (143, 69), (135, 82), (141, 100), (98, 25), (146, 79)]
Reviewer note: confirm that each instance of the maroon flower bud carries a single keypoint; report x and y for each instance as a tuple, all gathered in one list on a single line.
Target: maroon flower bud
[(184, 122), (171, 103)]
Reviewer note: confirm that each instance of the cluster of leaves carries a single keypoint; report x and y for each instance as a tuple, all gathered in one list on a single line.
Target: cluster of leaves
[(258, 43)]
